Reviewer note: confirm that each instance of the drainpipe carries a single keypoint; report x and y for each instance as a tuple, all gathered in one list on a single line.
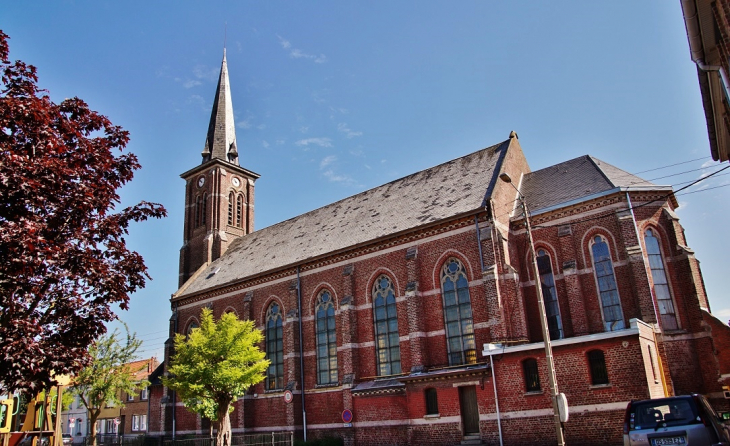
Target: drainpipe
[(174, 395), (692, 25), (301, 352), (479, 242), (496, 398)]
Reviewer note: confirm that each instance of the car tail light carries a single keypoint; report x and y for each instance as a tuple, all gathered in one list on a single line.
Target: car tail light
[(700, 411), (627, 416)]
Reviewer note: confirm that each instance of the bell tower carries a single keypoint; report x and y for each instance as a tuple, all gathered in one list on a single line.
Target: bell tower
[(219, 193)]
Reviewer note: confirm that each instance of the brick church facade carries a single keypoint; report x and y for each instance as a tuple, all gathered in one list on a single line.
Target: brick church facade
[(391, 303)]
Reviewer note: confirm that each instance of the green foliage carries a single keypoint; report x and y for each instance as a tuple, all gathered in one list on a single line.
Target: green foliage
[(216, 364), (103, 381)]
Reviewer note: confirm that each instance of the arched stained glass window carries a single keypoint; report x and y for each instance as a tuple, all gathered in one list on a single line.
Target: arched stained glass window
[(191, 326), (274, 348), (610, 302), (549, 295), (661, 285), (458, 314), (231, 204), (239, 209), (387, 342), (326, 339)]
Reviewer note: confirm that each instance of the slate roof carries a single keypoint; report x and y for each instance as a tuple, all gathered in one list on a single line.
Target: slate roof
[(454, 188), (220, 141), (574, 180)]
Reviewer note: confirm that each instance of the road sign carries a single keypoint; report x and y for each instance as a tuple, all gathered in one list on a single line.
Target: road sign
[(288, 396), (347, 416)]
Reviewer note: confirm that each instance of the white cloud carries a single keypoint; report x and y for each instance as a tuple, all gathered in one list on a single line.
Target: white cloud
[(342, 127), (340, 110), (709, 163), (265, 144), (280, 141), (304, 128), (244, 124), (261, 126), (330, 175), (322, 142), (284, 43), (326, 161), (206, 73), (196, 99), (296, 53), (191, 83)]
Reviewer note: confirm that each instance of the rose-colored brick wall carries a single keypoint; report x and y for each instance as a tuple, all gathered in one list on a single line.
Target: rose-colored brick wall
[(502, 292)]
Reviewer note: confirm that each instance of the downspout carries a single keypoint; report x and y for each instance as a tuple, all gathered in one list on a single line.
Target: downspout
[(691, 24), (496, 398), (301, 352), (174, 395), (479, 242)]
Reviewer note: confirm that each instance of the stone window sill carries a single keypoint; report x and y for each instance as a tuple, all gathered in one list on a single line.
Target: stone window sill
[(600, 386), (432, 416), (534, 393)]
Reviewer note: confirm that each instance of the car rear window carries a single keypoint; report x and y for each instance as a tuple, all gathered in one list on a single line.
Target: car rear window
[(648, 414)]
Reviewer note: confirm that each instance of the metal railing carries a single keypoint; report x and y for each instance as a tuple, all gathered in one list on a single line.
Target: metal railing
[(268, 439), (264, 439)]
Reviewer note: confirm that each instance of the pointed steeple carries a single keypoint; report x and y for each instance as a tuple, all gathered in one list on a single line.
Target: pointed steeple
[(221, 140)]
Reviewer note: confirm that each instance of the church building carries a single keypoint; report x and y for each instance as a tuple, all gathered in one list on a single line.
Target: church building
[(408, 314)]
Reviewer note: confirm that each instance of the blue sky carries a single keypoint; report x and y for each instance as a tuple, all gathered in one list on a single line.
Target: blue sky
[(335, 97)]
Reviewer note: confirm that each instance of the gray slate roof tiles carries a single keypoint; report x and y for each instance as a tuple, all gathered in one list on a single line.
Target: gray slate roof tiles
[(447, 190), (572, 180)]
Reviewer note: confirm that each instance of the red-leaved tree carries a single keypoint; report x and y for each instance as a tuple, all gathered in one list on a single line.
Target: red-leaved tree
[(64, 263)]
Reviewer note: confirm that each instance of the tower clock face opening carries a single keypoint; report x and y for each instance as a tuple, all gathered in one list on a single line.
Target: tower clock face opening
[(201, 181), (236, 182)]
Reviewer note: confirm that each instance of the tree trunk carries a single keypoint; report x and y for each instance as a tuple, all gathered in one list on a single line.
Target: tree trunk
[(223, 438), (93, 416)]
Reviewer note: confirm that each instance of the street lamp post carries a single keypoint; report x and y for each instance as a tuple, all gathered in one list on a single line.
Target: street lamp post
[(553, 383)]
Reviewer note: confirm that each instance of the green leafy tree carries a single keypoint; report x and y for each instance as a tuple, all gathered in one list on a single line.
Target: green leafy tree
[(109, 375), (215, 365)]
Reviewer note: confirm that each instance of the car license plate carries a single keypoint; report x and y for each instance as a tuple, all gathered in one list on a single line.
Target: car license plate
[(668, 441)]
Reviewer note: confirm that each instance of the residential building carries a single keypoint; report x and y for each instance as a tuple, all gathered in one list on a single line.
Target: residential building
[(383, 312), (135, 413), (708, 30)]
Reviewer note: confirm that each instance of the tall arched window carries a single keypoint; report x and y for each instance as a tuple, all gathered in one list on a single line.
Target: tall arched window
[(205, 207), (239, 209), (457, 314), (274, 348), (549, 295), (326, 339), (610, 302), (661, 285), (198, 210), (387, 342), (192, 326), (231, 201)]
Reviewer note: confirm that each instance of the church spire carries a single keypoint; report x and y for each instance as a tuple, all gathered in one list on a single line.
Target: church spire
[(221, 139)]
